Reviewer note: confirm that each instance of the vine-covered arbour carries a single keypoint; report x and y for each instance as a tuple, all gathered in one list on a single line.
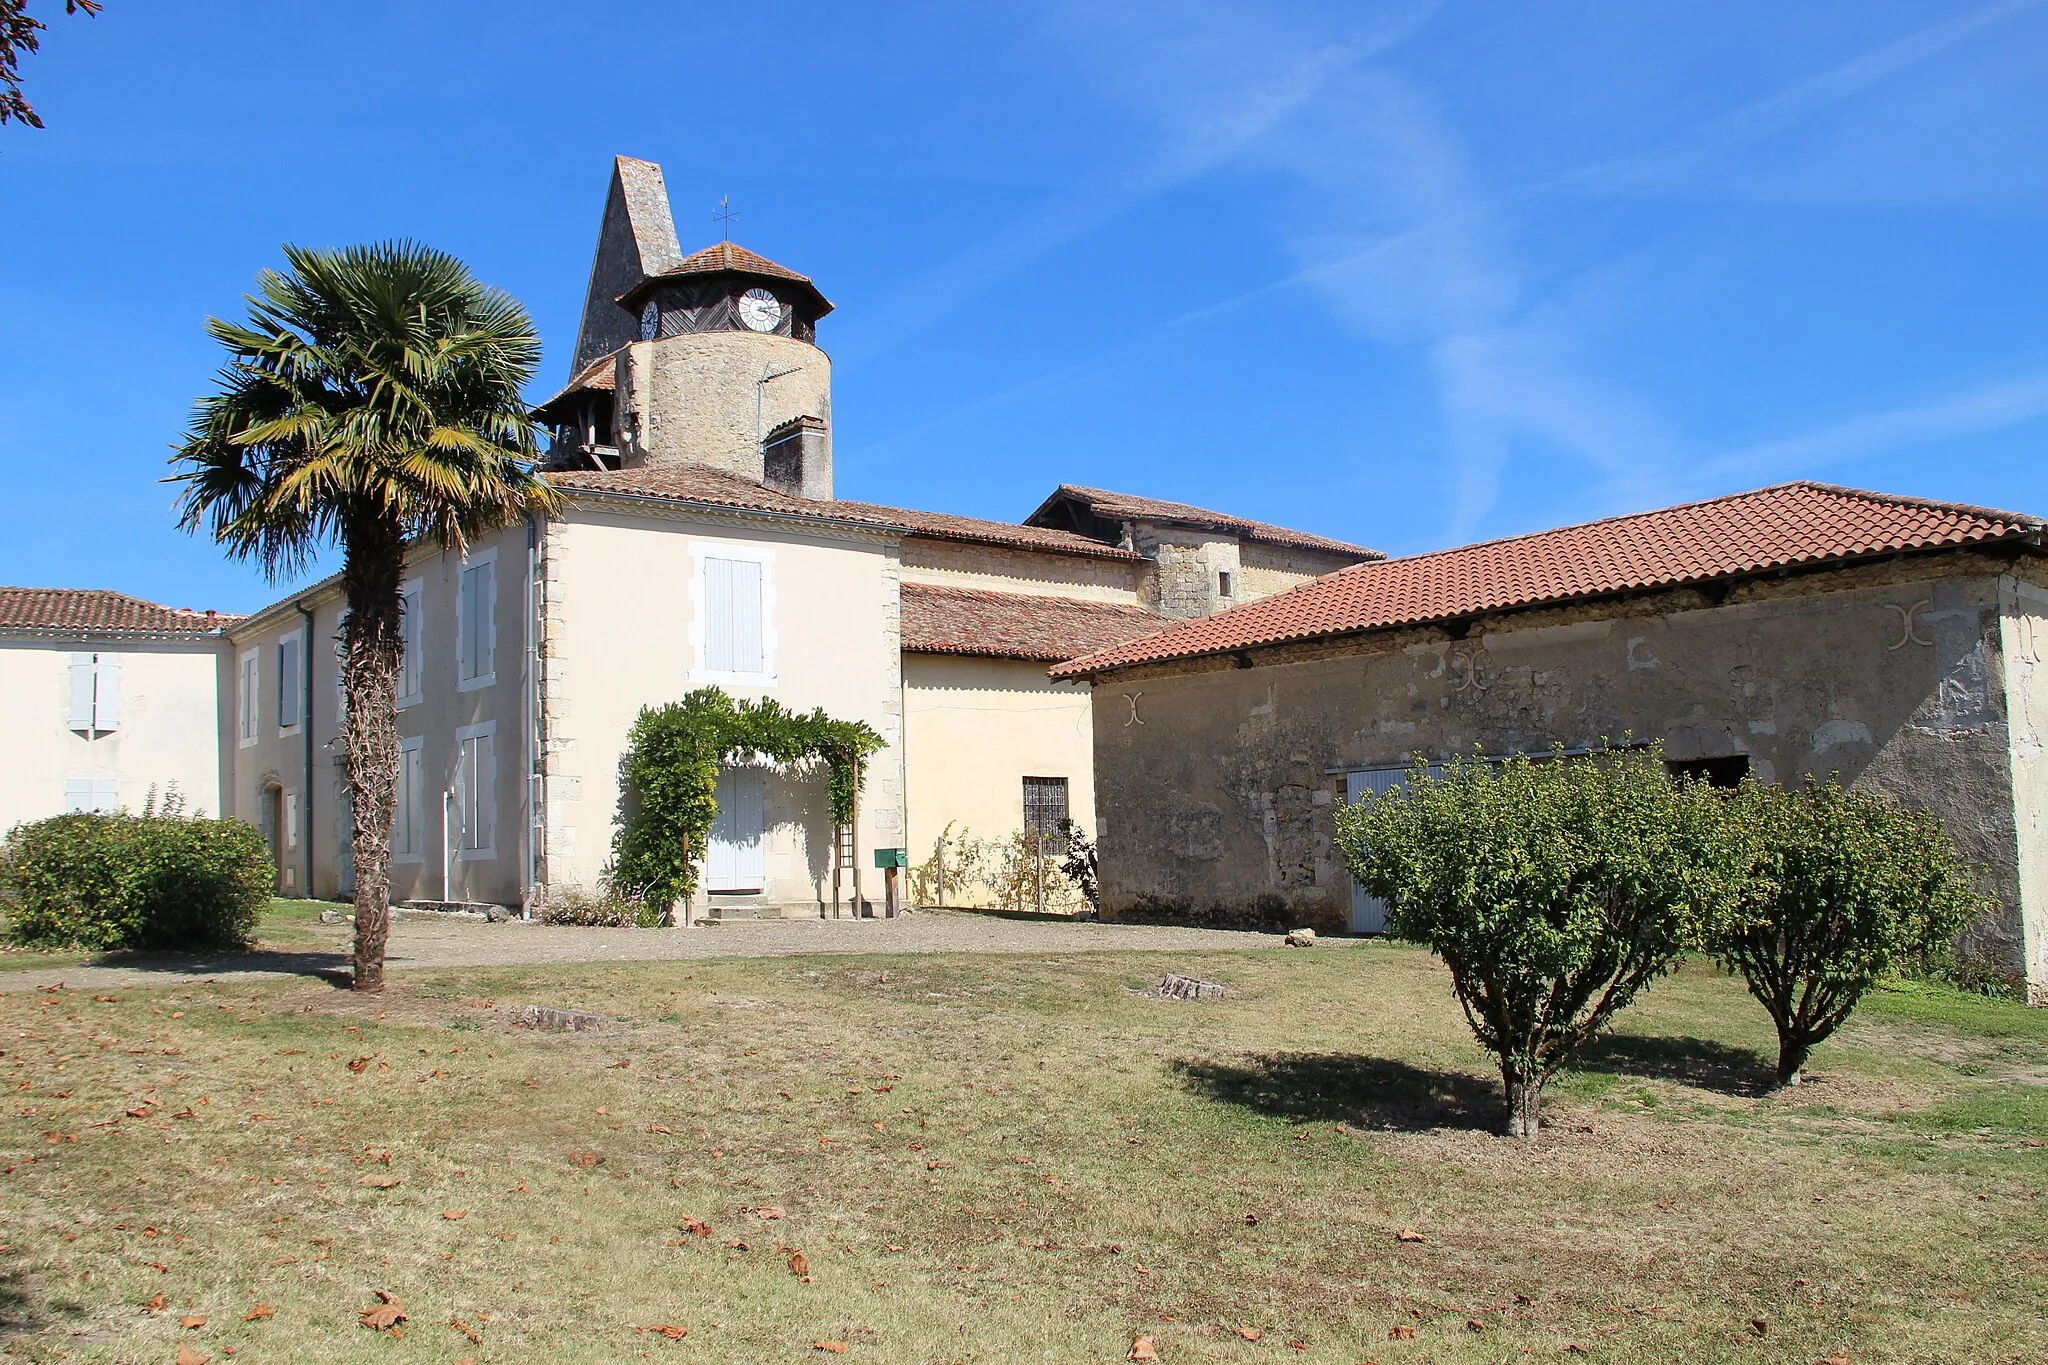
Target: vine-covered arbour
[(673, 756)]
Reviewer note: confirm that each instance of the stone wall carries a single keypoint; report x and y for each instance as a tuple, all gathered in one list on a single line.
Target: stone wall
[(1216, 783), (692, 399)]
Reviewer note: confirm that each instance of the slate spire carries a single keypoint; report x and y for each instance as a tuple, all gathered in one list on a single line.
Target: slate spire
[(636, 239)]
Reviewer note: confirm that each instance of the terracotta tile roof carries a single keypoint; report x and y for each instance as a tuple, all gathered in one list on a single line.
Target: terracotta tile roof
[(1127, 507), (97, 611), (939, 620), (1789, 524), (731, 256), (601, 373), (686, 483)]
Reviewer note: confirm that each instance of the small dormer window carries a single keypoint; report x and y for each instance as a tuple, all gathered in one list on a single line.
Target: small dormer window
[(1223, 583)]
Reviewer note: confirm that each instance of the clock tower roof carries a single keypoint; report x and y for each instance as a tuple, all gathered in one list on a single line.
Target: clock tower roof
[(726, 258)]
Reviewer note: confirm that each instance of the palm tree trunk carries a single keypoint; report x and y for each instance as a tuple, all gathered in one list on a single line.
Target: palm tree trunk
[(373, 568)]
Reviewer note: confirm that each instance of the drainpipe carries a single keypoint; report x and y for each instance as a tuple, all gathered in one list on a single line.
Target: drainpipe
[(447, 797), (306, 730), (533, 804)]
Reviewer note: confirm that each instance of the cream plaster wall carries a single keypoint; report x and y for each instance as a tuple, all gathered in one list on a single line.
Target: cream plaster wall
[(278, 757), (2023, 634), (168, 727), (974, 729), (620, 611)]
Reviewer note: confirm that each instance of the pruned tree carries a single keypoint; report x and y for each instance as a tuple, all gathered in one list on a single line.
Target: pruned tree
[(18, 35), (1554, 889), (1840, 888), (372, 400)]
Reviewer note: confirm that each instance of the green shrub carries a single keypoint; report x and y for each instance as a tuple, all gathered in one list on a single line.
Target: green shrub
[(102, 881), (1841, 888), (1554, 890)]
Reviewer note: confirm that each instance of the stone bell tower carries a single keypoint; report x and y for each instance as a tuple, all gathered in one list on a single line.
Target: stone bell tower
[(709, 359)]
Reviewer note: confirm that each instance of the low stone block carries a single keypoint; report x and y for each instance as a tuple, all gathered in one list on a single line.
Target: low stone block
[(1173, 987), (1301, 938), (559, 1021)]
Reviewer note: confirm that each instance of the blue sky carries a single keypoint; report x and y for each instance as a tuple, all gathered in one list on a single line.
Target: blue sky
[(1407, 273)]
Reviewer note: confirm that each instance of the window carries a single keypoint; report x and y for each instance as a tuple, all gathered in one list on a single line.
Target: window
[(412, 629), (476, 622), (95, 692), (245, 726), (91, 793), (476, 789), (1045, 809), (408, 827), (733, 596), (1223, 582), (291, 818), (1725, 772), (290, 651)]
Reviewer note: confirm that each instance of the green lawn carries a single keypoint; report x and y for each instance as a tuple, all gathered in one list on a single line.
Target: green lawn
[(282, 925), (1006, 1159)]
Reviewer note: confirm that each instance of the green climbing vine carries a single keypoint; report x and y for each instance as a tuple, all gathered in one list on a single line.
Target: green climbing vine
[(669, 795)]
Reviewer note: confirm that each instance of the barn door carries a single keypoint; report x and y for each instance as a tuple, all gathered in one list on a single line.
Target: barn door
[(733, 861), (1369, 913)]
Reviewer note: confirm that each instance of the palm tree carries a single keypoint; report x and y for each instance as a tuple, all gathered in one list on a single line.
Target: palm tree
[(372, 399)]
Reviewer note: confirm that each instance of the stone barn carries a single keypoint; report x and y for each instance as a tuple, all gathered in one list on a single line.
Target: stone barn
[(1797, 629)]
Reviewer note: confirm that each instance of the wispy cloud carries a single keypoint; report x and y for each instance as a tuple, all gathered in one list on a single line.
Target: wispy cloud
[(1990, 407)]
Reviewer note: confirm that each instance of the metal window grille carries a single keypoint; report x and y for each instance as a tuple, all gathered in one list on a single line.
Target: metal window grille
[(1045, 810)]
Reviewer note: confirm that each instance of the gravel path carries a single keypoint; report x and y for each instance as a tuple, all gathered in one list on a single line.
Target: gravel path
[(418, 943)]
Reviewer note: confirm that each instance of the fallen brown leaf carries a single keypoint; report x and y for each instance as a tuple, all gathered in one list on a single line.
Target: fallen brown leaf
[(1410, 1235), (193, 1323), (696, 1227), (1250, 1333), (454, 1215), (1143, 1349), (188, 1356), (155, 1304), (767, 1211), (386, 1316), (381, 1182), (475, 1338), (837, 1348), (1400, 1331), (359, 1065), (584, 1158), (659, 1128), (799, 1264), (258, 1313), (667, 1329)]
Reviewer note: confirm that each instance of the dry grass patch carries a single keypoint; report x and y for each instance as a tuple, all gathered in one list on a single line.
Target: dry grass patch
[(936, 1159)]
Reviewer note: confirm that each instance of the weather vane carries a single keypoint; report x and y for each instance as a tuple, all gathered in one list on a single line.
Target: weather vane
[(724, 215)]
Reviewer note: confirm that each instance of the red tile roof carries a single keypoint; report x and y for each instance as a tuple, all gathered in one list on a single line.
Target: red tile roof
[(72, 612), (728, 256), (601, 373), (940, 620), (687, 483), (1128, 507), (1789, 524)]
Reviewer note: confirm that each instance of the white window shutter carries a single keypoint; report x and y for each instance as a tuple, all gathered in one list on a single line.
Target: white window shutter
[(106, 793), (77, 794), (746, 616), (81, 691), (718, 612), (486, 778), (487, 618), (106, 699)]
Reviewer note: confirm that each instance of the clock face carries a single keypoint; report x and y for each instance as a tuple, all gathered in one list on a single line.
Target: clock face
[(760, 310), (650, 321)]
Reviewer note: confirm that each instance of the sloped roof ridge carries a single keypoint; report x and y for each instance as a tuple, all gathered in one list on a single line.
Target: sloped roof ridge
[(1168, 509)]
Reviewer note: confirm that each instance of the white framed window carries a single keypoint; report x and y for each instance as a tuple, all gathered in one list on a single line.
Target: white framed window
[(476, 790), (291, 654), (291, 818), (476, 622), (246, 697), (409, 825), (95, 692), (732, 614), (91, 793), (412, 636)]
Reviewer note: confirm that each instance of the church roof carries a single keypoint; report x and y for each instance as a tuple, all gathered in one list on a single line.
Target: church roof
[(1784, 526), (727, 258), (601, 373), (709, 488), (75, 612), (1007, 625), (1128, 507)]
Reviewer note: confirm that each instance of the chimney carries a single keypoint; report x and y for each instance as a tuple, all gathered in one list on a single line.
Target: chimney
[(796, 460)]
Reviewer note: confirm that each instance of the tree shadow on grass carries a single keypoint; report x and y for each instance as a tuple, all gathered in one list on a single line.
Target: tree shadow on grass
[(1697, 1062), (324, 965), (1366, 1092)]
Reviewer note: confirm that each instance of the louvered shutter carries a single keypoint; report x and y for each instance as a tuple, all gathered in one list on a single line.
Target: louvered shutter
[(487, 619), (106, 690), (746, 616), (81, 692), (485, 779), (288, 681), (77, 793), (106, 793), (718, 615)]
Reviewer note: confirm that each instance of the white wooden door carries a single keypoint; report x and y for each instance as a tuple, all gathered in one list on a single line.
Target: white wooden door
[(1369, 913), (734, 862)]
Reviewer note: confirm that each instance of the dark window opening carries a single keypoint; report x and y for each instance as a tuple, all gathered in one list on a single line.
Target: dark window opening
[(1223, 583), (1045, 811), (1716, 772)]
